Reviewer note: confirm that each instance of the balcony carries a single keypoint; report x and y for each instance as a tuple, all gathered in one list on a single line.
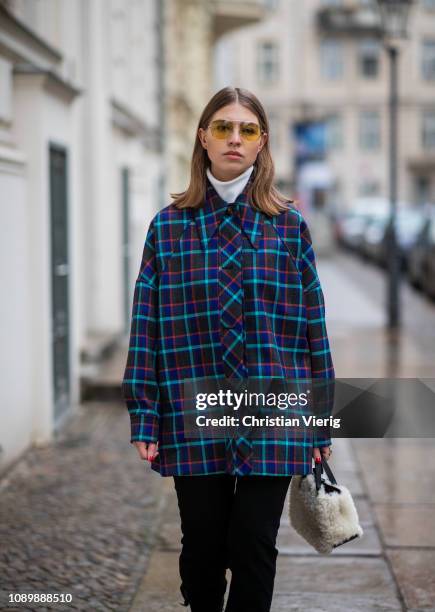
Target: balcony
[(353, 19), (422, 163), (230, 15)]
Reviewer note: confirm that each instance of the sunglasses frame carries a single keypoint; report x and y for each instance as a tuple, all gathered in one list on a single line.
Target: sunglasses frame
[(234, 122)]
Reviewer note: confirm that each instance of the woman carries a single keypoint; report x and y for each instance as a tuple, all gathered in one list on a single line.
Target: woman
[(227, 288)]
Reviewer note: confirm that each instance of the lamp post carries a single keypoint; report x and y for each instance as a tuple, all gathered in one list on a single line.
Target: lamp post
[(394, 17)]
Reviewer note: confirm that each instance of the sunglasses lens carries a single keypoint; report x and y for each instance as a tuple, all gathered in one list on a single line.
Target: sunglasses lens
[(223, 129), (250, 131)]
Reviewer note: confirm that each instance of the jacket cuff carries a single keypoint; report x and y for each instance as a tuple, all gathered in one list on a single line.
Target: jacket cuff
[(322, 442), (144, 428), (322, 435)]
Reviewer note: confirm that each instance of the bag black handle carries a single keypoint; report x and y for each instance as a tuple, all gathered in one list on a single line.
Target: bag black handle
[(317, 470), (328, 471), (319, 466)]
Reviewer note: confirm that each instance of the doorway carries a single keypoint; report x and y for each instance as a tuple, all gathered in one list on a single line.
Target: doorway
[(60, 279)]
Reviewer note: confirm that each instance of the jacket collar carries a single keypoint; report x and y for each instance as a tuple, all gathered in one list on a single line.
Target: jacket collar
[(209, 215)]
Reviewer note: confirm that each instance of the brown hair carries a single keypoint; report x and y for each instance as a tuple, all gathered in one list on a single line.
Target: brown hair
[(263, 195)]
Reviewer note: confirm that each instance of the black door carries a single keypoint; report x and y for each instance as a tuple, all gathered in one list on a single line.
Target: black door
[(125, 198), (60, 279)]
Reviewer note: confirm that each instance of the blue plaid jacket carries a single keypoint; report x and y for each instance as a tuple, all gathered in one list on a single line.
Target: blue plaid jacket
[(176, 326)]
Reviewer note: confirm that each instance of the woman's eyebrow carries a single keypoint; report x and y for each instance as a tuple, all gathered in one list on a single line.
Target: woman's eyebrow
[(236, 120)]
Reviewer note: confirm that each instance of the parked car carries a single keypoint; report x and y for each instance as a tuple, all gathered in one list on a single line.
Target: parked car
[(428, 262), (351, 225), (373, 240), (418, 251), (349, 230), (409, 223), (417, 255)]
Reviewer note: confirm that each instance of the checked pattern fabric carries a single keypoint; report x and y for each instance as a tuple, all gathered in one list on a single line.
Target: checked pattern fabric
[(233, 297), (238, 450)]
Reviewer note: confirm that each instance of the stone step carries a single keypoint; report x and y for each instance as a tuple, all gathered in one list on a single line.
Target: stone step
[(102, 371)]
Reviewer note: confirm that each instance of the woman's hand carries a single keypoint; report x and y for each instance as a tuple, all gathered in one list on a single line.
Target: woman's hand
[(147, 450), (324, 451)]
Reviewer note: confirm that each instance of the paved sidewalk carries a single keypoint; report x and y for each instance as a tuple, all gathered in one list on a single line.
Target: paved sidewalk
[(355, 577)]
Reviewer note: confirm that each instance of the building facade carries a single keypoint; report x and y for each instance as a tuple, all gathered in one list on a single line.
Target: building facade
[(81, 174), (320, 68), (98, 109), (192, 29)]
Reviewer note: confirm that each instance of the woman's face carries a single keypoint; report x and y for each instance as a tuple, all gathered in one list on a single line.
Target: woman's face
[(223, 165)]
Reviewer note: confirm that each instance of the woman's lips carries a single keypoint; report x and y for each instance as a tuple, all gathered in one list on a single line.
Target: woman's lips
[(233, 155)]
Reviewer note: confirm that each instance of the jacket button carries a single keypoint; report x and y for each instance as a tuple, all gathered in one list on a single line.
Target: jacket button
[(230, 210)]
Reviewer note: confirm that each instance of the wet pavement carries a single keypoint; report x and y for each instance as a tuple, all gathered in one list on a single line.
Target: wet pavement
[(356, 576), (86, 516), (392, 481)]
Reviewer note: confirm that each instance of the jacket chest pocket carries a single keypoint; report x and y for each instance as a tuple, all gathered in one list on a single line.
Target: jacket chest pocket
[(189, 296), (271, 275)]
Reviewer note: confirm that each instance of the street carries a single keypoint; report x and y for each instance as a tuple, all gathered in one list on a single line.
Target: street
[(149, 153)]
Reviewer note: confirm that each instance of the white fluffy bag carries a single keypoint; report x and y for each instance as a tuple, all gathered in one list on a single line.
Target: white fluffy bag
[(322, 512)]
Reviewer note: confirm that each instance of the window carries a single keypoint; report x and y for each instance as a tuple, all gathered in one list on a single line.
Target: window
[(369, 187), (334, 132), (429, 5), (422, 189), (369, 130), (428, 59), (331, 59), (267, 62), (368, 58), (271, 5), (274, 131), (428, 129)]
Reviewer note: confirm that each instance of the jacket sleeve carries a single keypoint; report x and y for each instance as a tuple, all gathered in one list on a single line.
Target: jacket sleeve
[(322, 368), (140, 387)]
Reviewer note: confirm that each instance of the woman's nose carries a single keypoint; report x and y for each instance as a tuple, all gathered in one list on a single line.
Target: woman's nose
[(235, 135)]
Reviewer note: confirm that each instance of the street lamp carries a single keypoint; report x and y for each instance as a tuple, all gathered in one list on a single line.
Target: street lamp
[(394, 16)]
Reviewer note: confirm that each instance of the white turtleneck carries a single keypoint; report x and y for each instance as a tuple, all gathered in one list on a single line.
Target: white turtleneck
[(229, 190)]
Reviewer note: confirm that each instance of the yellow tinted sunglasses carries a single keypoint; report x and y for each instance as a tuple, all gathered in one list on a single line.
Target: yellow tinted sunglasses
[(222, 129)]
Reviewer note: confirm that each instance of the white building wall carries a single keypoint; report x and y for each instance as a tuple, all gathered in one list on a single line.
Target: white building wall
[(16, 330), (41, 119), (36, 110)]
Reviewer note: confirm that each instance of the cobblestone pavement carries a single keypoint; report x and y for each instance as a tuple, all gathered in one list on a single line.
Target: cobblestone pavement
[(77, 516)]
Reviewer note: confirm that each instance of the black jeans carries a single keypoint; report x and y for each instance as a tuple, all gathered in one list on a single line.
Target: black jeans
[(229, 522)]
